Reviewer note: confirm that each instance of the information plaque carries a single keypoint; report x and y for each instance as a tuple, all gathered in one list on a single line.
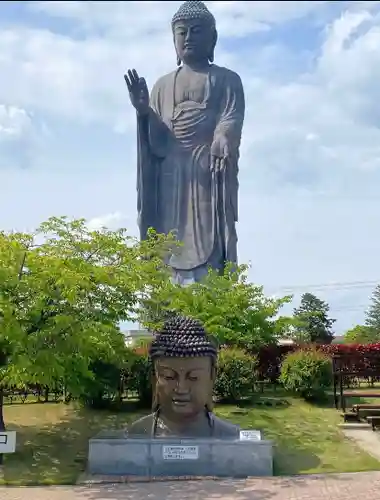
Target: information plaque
[(180, 452), (250, 435), (8, 442)]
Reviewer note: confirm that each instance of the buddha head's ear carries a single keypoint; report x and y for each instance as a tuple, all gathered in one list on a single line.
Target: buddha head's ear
[(213, 45), (210, 402), (153, 379), (215, 343), (214, 370), (210, 396), (155, 396)]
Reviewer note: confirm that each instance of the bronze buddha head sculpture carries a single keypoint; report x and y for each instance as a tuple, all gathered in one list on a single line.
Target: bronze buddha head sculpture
[(194, 33), (184, 370)]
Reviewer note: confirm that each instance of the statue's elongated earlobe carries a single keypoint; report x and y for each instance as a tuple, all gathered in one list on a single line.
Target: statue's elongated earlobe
[(211, 55), (155, 398)]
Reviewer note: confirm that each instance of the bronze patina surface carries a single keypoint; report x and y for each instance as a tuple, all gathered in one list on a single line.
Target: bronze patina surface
[(189, 130), (184, 369)]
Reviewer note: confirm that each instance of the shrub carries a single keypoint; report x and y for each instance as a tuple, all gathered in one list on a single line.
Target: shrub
[(356, 357), (236, 375), (139, 377), (103, 387), (269, 358), (308, 373)]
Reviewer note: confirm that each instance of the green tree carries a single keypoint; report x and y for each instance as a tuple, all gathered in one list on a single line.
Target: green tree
[(373, 313), (233, 310), (312, 321), (361, 334), (61, 301)]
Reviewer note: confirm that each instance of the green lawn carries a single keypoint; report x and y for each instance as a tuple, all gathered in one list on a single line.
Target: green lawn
[(52, 439)]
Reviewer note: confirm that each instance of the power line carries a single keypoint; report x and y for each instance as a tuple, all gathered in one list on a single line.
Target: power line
[(330, 287), (333, 309), (342, 285), (350, 308)]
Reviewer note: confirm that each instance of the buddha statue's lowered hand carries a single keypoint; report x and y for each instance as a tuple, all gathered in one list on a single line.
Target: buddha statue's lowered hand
[(220, 152), (138, 92)]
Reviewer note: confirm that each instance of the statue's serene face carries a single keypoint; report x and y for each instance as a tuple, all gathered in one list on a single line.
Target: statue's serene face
[(193, 40), (183, 385)]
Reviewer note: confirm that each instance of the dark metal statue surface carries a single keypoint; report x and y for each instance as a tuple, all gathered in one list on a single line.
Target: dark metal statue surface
[(189, 132), (184, 370)]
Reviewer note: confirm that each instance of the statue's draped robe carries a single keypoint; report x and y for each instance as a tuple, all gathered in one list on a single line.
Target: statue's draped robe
[(211, 427), (176, 189)]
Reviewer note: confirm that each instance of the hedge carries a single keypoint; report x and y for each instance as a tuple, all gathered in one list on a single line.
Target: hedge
[(264, 365), (136, 375), (355, 357), (269, 360)]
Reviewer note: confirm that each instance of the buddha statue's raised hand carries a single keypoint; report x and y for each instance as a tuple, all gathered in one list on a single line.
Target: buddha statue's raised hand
[(138, 91)]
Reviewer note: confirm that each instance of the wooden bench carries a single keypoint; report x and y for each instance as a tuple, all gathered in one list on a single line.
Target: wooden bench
[(374, 421), (357, 394), (367, 406), (361, 394), (367, 412), (351, 417), (344, 367)]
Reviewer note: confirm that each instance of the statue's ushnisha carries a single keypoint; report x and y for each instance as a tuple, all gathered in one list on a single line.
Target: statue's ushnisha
[(189, 132), (184, 369)]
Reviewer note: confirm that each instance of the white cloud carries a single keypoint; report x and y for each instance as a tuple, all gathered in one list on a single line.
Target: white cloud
[(13, 121), (82, 78), (108, 220), (122, 19), (17, 136), (310, 164)]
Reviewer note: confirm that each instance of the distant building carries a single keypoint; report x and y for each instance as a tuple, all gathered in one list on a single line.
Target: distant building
[(133, 336), (286, 342), (338, 339)]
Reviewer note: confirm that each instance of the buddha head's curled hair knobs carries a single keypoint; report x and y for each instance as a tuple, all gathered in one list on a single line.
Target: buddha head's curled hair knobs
[(182, 337), (193, 9)]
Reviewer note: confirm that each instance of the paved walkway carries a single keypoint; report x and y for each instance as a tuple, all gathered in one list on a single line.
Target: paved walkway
[(369, 441), (318, 487)]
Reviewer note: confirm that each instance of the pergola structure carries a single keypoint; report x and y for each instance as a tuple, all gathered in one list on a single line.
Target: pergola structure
[(356, 367)]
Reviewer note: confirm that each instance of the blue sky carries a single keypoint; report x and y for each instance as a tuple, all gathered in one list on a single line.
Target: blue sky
[(310, 162)]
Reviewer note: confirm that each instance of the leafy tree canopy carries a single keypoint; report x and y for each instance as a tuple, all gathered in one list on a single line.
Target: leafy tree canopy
[(312, 320), (63, 292), (361, 334), (233, 310), (372, 319)]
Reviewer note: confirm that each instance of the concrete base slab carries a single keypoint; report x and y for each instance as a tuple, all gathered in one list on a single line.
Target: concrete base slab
[(87, 479), (117, 455), (355, 426)]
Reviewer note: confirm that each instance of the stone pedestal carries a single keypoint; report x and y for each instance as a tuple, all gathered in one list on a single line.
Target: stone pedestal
[(115, 454)]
